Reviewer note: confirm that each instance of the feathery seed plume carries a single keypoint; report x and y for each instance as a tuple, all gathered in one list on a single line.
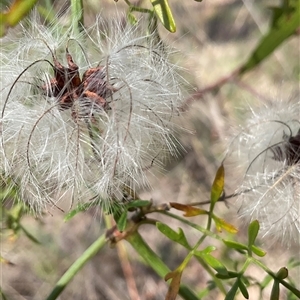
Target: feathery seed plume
[(267, 151), (84, 116)]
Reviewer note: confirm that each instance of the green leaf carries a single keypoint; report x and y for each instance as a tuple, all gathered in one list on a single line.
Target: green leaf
[(229, 275), (212, 261), (82, 207), (218, 185), (275, 291), (79, 208), (173, 235), (122, 221), (252, 232), (258, 251), (235, 245), (231, 294), (164, 14), (215, 264), (138, 203), (243, 289), (74, 212), (208, 249), (283, 26)]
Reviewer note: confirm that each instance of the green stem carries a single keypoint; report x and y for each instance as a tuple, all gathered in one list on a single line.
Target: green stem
[(206, 233), (199, 228), (137, 8), (246, 265), (77, 266), (77, 15), (217, 281), (151, 258), (208, 269), (273, 275)]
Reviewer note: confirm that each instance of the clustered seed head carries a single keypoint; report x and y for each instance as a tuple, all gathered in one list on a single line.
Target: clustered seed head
[(267, 151), (84, 116)]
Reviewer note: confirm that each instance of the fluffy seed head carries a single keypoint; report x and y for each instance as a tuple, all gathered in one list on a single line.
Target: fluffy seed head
[(85, 116), (267, 152)]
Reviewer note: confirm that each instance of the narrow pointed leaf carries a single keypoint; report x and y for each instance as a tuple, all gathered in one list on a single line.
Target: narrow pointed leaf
[(283, 27), (215, 264), (252, 232), (164, 14), (258, 251), (222, 276), (79, 208), (173, 235), (122, 221), (235, 245), (190, 211), (243, 289), (228, 275), (212, 261), (222, 224), (208, 249), (232, 292), (218, 185)]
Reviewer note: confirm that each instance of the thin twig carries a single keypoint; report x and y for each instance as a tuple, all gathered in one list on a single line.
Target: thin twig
[(211, 88), (127, 270)]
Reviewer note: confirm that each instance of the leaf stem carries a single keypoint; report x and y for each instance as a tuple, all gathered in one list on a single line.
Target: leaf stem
[(132, 7), (197, 227), (153, 260), (77, 266)]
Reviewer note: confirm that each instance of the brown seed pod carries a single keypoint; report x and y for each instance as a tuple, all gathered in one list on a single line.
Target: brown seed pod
[(289, 151), (67, 86)]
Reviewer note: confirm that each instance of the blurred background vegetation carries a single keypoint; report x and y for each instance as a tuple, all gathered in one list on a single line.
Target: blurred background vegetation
[(213, 38)]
